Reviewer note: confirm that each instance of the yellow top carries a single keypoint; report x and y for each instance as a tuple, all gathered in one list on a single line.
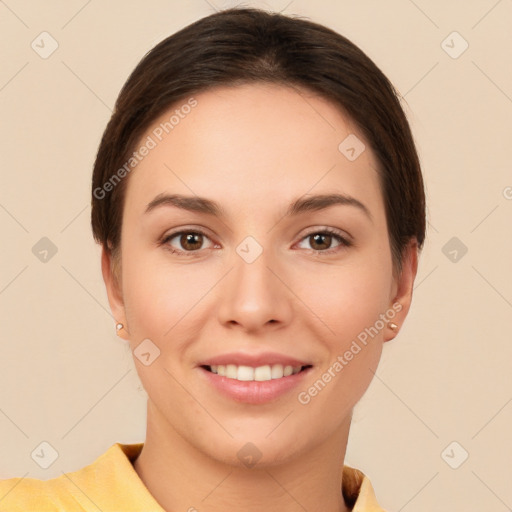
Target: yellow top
[(111, 484)]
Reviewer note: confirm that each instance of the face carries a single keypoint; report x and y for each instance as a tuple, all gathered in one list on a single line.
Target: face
[(291, 267)]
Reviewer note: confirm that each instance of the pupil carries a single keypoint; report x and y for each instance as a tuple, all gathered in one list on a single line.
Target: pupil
[(320, 236), (191, 238)]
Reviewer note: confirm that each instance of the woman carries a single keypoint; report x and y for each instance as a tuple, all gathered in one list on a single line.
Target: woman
[(260, 206)]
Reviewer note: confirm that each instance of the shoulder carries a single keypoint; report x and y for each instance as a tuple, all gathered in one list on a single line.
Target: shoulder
[(109, 484), (33, 495), (72, 491), (358, 492)]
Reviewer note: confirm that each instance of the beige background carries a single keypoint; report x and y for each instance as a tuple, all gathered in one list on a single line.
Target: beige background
[(65, 378)]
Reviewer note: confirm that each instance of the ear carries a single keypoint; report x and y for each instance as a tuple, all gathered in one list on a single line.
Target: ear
[(403, 287), (114, 292)]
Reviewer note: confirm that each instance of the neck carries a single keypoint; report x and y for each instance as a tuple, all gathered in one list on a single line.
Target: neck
[(181, 477)]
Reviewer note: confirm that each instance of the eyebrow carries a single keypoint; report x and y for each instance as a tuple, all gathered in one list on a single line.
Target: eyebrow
[(301, 205)]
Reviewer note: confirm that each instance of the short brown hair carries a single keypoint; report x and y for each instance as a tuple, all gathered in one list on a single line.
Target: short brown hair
[(246, 45)]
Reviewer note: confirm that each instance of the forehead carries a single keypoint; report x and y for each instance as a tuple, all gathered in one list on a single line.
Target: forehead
[(250, 144)]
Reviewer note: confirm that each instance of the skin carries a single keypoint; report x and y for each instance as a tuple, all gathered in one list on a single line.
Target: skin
[(254, 149)]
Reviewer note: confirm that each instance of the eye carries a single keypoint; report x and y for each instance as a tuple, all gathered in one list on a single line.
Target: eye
[(323, 238), (190, 241)]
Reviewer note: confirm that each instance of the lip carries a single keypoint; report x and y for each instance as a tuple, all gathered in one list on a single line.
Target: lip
[(253, 392), (254, 360)]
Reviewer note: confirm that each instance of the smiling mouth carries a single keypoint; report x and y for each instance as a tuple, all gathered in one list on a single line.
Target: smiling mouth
[(259, 373)]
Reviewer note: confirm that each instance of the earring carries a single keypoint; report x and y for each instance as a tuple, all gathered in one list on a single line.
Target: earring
[(393, 326), (119, 326)]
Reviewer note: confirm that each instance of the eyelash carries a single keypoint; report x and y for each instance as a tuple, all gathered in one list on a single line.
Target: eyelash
[(344, 243)]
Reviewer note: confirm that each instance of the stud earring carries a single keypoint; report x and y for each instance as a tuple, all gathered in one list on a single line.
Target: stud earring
[(393, 326), (119, 326)]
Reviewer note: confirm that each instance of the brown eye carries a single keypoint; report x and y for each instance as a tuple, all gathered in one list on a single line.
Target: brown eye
[(191, 241), (321, 241), (188, 241)]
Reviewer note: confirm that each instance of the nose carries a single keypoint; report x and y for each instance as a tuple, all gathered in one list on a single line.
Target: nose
[(255, 296)]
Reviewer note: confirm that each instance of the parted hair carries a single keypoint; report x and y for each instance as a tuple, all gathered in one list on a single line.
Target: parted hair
[(247, 45)]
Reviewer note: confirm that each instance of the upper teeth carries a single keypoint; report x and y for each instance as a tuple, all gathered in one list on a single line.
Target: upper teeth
[(260, 373)]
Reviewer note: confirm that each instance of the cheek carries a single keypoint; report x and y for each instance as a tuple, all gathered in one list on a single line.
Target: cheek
[(352, 310), (163, 298), (340, 385), (348, 299)]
